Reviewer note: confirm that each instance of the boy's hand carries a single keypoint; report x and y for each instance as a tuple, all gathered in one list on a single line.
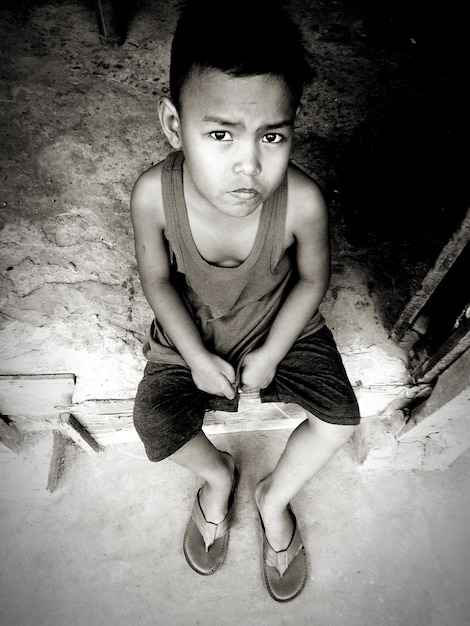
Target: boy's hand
[(258, 370), (214, 375)]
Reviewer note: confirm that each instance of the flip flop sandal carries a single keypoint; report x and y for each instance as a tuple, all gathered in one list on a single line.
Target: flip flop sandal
[(285, 572), (205, 543)]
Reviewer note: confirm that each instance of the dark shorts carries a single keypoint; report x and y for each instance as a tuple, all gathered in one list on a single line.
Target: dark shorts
[(169, 409)]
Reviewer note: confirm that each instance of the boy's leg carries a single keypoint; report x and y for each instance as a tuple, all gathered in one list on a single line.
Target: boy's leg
[(168, 416), (312, 374), (311, 445), (216, 468)]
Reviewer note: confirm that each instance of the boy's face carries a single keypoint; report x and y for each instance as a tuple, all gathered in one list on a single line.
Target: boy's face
[(236, 134)]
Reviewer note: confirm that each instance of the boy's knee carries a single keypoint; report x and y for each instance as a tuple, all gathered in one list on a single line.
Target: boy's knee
[(334, 434)]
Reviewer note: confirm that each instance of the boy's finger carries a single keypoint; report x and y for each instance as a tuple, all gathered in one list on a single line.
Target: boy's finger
[(229, 391), (230, 395), (228, 372)]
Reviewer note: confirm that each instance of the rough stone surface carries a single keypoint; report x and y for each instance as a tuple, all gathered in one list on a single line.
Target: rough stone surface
[(80, 124)]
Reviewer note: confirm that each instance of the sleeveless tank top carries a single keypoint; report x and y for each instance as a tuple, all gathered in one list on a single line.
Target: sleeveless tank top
[(233, 307)]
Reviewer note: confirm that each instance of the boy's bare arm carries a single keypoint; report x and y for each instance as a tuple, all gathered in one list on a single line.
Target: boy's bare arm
[(307, 220), (210, 373)]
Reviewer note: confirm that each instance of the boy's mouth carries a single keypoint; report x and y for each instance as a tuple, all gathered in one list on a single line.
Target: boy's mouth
[(245, 193)]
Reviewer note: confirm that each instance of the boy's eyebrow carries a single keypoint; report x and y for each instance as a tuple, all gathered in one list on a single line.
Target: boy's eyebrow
[(214, 119), (283, 123)]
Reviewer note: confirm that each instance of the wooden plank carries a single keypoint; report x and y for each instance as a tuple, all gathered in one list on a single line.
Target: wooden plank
[(449, 418), (444, 262), (33, 424), (112, 18), (456, 345), (247, 425), (449, 400), (110, 421), (116, 437), (84, 434), (70, 426), (10, 435), (35, 396), (254, 415), (59, 444), (98, 415)]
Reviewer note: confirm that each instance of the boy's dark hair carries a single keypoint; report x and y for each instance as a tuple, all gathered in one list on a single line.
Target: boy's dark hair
[(245, 38)]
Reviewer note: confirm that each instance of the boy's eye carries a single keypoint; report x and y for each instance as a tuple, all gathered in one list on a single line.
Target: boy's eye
[(221, 135), (272, 138)]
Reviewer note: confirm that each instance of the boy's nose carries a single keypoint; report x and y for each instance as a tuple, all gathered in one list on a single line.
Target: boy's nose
[(247, 161)]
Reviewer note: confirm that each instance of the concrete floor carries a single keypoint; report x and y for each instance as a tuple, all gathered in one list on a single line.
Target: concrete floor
[(79, 125), (385, 548)]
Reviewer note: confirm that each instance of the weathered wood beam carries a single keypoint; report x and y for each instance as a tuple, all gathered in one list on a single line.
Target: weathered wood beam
[(444, 262), (70, 426), (10, 435), (457, 343), (59, 445), (35, 396)]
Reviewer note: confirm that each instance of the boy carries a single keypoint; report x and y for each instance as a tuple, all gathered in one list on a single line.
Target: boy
[(232, 247)]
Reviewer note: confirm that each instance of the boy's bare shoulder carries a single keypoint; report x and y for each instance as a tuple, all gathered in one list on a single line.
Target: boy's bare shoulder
[(146, 197), (306, 202)]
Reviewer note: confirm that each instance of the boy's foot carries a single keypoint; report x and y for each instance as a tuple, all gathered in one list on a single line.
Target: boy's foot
[(214, 498), (284, 565), (205, 542), (277, 521)]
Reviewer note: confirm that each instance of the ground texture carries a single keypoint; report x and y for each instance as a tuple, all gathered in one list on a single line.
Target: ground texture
[(385, 126)]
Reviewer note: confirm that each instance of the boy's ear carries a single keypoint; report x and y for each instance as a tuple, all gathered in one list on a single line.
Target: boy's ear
[(170, 121)]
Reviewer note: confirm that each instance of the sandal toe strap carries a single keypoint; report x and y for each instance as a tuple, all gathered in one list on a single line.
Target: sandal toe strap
[(282, 559), (209, 531)]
